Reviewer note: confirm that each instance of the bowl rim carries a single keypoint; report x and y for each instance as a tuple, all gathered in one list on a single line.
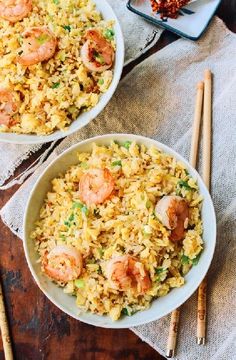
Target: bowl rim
[(164, 148), (105, 98)]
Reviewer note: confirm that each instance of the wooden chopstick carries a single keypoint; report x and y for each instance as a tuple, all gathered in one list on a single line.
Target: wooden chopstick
[(206, 156), (196, 125), (206, 174), (174, 322), (4, 329), (173, 332)]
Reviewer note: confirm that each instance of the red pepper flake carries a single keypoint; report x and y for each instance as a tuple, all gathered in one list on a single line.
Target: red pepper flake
[(168, 8)]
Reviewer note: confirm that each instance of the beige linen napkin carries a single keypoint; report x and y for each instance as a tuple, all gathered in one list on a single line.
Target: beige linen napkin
[(157, 100), (139, 36)]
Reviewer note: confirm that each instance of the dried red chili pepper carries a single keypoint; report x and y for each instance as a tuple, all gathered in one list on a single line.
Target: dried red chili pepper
[(168, 8)]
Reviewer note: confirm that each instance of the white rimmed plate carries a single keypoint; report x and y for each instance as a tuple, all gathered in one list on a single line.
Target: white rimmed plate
[(159, 307), (191, 23)]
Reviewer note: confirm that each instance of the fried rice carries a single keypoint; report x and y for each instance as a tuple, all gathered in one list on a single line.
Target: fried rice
[(51, 94), (125, 223)]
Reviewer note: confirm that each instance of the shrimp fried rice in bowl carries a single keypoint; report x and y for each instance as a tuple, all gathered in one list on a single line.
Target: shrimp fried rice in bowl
[(60, 64), (119, 230)]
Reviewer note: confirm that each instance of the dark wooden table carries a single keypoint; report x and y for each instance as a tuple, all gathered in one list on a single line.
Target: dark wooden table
[(38, 329)]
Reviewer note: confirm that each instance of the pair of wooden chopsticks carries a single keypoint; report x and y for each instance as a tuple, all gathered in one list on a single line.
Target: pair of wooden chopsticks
[(4, 329), (203, 99)]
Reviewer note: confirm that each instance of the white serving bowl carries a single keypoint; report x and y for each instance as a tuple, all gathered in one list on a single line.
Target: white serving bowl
[(159, 307), (84, 118)]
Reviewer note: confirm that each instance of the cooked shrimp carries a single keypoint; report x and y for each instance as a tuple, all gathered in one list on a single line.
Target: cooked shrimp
[(15, 10), (173, 212), (7, 107), (96, 186), (126, 272), (63, 263), (97, 53), (39, 44)]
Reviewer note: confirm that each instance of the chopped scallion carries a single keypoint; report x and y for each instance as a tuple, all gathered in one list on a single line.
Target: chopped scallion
[(124, 311), (161, 273), (159, 270), (196, 259), (184, 184), (77, 205), (67, 27), (80, 283), (116, 163), (55, 85), (127, 144), (82, 207), (71, 217), (185, 259), (127, 312)]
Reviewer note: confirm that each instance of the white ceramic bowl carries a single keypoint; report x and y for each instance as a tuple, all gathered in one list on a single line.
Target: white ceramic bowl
[(84, 118), (161, 306)]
